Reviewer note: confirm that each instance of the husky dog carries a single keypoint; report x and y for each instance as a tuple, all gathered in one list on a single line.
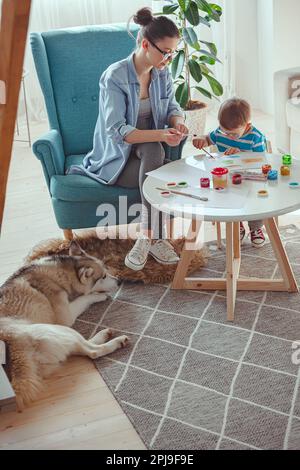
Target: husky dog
[(39, 304)]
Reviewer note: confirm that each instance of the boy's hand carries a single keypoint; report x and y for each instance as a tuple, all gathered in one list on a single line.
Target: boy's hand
[(232, 151), (200, 143)]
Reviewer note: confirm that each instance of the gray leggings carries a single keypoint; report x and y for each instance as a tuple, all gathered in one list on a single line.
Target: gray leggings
[(144, 158)]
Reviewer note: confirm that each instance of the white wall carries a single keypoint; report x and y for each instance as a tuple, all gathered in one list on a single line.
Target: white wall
[(286, 33), (278, 44)]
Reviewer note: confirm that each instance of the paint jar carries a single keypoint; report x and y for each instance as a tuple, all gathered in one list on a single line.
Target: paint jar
[(273, 175), (266, 168), (294, 185), (171, 185), (204, 183), (237, 178), (166, 194), (220, 178), (285, 170), (262, 193), (287, 159)]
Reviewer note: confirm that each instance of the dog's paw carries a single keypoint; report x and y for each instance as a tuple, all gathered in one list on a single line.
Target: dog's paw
[(102, 336), (98, 297), (122, 341)]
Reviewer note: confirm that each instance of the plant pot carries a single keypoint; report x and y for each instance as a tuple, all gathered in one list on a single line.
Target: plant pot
[(195, 119)]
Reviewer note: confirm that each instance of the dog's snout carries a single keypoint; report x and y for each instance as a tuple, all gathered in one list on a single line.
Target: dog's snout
[(119, 282)]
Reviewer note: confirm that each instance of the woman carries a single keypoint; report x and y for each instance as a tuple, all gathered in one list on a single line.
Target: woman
[(136, 103)]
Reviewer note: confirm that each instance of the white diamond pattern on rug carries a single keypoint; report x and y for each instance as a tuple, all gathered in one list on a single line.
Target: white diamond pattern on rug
[(191, 380)]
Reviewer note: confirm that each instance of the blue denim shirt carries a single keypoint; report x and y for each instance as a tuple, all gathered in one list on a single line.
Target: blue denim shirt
[(118, 114)]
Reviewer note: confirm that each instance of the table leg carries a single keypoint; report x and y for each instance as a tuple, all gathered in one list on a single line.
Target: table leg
[(187, 254), (280, 253), (233, 261)]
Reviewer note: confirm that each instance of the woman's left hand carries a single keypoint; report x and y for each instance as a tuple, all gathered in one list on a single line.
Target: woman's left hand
[(182, 128)]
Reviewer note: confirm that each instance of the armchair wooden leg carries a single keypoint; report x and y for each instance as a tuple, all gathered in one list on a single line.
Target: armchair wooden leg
[(68, 234)]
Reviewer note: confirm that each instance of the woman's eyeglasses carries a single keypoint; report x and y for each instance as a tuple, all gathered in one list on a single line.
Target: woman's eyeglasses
[(166, 55)]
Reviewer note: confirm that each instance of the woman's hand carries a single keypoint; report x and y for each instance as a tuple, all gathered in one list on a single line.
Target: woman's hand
[(231, 151), (181, 128), (172, 137)]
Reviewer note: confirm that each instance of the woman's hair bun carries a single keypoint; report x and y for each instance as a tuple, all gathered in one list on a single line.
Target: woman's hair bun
[(143, 17)]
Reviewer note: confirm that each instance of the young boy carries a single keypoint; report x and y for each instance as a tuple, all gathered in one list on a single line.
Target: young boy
[(236, 134)]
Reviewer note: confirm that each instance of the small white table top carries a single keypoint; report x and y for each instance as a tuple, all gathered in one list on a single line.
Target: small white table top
[(281, 199)]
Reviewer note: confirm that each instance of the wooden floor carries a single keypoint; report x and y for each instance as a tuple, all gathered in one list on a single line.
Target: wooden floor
[(77, 411)]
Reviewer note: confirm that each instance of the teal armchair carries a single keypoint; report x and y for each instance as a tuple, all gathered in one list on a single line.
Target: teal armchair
[(69, 63)]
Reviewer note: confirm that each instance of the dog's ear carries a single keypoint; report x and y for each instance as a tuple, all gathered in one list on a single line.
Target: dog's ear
[(85, 274), (74, 249)]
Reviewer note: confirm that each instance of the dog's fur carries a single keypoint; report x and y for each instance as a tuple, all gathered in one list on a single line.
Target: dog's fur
[(39, 304), (61, 279), (113, 253)]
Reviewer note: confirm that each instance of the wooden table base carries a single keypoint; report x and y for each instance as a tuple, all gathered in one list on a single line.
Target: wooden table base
[(233, 283)]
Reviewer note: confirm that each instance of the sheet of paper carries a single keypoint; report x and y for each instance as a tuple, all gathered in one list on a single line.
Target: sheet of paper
[(244, 160), (234, 197)]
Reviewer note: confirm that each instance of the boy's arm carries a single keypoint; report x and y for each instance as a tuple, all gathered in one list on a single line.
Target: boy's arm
[(259, 143)]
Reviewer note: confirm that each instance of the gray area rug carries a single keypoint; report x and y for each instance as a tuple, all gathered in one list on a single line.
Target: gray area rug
[(191, 380)]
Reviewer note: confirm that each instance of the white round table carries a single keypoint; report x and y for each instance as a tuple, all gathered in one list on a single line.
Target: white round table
[(281, 200)]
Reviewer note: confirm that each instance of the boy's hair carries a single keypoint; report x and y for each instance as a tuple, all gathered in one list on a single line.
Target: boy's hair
[(234, 113)]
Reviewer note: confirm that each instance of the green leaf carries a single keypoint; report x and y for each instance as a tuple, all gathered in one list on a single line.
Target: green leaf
[(169, 9), (177, 65), (204, 21), (204, 92), (192, 14), (182, 94), (216, 8), (205, 69), (195, 70), (209, 54), (211, 46), (207, 60), (182, 4), (215, 85), (209, 9), (189, 36), (196, 46)]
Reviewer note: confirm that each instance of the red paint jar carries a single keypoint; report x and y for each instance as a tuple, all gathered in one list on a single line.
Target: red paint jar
[(205, 183), (266, 169), (220, 178), (237, 178)]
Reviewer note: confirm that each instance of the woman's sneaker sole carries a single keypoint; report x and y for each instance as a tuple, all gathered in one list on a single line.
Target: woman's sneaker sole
[(163, 262), (134, 267)]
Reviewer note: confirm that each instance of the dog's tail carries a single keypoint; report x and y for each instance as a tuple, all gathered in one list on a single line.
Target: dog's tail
[(22, 369)]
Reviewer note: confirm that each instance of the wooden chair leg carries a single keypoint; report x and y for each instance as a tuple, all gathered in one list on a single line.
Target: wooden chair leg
[(170, 228), (219, 235), (68, 234)]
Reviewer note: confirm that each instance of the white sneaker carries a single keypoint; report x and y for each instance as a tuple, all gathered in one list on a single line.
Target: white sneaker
[(163, 252), (137, 257)]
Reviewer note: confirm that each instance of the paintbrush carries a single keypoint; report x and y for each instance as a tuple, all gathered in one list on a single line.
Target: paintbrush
[(204, 199)]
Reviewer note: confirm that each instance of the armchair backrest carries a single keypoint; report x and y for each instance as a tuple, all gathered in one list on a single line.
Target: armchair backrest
[(69, 63)]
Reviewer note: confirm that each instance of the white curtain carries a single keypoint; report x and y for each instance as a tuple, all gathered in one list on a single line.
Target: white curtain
[(224, 36), (54, 14)]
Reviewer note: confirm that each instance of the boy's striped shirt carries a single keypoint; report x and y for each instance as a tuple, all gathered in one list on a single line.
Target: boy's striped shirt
[(253, 141)]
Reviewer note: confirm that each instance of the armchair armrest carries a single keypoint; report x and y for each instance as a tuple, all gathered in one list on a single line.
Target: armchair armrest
[(283, 82), (49, 150)]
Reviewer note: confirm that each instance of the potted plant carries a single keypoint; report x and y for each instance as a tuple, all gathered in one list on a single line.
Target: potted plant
[(194, 58)]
